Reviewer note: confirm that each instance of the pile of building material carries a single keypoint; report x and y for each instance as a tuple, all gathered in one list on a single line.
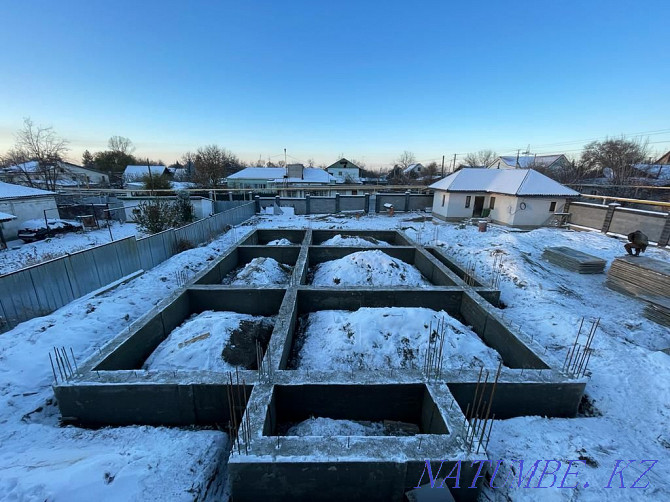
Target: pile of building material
[(574, 260), (657, 309), (640, 276)]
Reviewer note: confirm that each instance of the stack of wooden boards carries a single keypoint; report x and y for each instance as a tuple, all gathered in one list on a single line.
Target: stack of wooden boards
[(574, 260), (646, 278)]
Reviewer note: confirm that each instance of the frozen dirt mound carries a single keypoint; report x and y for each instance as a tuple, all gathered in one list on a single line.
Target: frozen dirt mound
[(261, 271), (355, 241), (367, 268), (280, 242), (390, 337), (212, 341), (330, 427)]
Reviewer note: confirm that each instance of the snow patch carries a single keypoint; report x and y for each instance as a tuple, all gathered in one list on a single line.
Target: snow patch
[(261, 271), (367, 268)]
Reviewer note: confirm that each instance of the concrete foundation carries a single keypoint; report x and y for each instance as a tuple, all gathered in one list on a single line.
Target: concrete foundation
[(266, 464)]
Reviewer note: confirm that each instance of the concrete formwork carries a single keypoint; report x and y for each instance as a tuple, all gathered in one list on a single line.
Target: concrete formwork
[(110, 388)]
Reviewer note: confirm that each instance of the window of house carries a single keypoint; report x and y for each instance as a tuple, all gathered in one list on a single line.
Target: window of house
[(492, 203), (444, 196), (552, 207), (467, 201)]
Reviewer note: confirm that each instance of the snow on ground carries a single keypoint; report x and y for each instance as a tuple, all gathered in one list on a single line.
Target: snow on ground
[(629, 384), (261, 271), (390, 337), (26, 255), (354, 240), (199, 342), (329, 427), (39, 460), (367, 268), (280, 242)]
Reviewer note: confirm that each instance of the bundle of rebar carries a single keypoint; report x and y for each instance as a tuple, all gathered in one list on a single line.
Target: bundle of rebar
[(497, 269), (573, 260), (478, 418), (432, 364), (61, 365), (239, 425), (577, 359)]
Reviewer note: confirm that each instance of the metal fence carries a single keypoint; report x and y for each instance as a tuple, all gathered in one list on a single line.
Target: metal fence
[(44, 288)]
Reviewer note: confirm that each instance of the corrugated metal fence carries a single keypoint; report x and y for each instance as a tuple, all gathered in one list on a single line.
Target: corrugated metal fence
[(44, 288)]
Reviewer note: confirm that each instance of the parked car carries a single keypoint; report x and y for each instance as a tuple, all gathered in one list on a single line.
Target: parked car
[(36, 230)]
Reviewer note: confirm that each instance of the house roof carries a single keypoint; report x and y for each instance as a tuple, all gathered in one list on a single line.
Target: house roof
[(343, 164), (6, 217), (526, 161), (12, 191), (139, 171), (521, 182), (656, 171), (412, 168), (663, 159), (276, 174)]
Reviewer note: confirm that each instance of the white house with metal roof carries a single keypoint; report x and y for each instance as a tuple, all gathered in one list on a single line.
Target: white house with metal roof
[(515, 197), (24, 203), (529, 162), (287, 180)]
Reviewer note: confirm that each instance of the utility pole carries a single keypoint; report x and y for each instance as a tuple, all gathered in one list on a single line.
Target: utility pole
[(517, 157), (443, 166), (453, 168), (285, 163)]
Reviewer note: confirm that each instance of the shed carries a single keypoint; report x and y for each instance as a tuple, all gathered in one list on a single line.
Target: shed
[(25, 203)]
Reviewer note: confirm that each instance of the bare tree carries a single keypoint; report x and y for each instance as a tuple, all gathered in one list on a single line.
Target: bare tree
[(119, 144), (212, 164), (37, 155), (481, 158), (614, 158), (406, 159)]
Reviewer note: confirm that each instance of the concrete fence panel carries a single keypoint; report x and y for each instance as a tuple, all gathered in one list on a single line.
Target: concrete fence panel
[(398, 201), (322, 205), (587, 215), (420, 202), (352, 202), (627, 220)]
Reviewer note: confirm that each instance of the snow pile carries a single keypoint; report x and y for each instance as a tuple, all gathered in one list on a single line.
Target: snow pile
[(41, 224), (329, 427), (261, 271), (389, 337), (280, 242), (367, 268), (202, 342), (354, 240)]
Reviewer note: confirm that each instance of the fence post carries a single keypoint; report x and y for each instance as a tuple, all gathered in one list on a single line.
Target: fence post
[(257, 201), (307, 196), (665, 233), (378, 202), (608, 217), (407, 201), (337, 202), (366, 208)]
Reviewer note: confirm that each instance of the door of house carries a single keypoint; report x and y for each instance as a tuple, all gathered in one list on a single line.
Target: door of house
[(478, 206)]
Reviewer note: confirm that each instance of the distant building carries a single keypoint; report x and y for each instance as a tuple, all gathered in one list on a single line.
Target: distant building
[(345, 171), (547, 162), (516, 197), (663, 159), (288, 181), (414, 170), (25, 203), (65, 174)]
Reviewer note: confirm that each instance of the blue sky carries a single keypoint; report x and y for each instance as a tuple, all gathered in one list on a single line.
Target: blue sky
[(363, 79)]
